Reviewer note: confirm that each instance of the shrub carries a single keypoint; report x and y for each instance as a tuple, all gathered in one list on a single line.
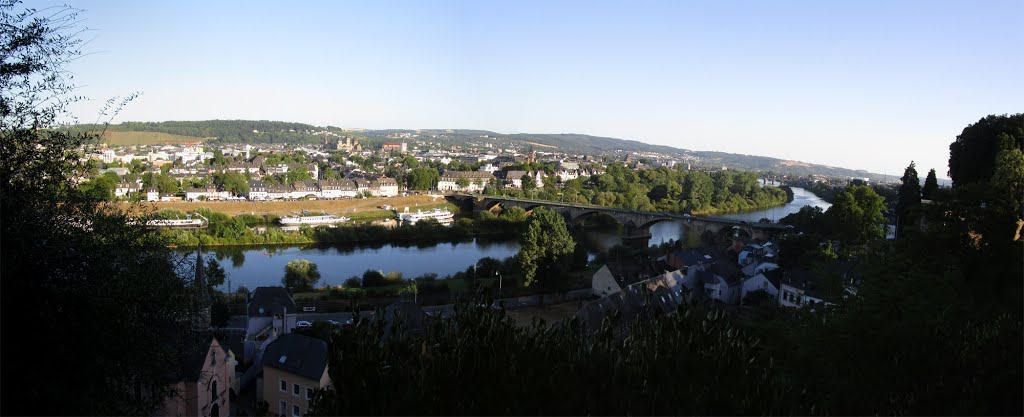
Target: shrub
[(373, 278)]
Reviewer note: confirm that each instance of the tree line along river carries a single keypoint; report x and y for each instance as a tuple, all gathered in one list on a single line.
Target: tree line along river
[(264, 266)]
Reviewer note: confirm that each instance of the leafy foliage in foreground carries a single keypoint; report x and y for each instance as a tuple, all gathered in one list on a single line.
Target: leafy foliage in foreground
[(482, 363), (936, 328), (94, 312)]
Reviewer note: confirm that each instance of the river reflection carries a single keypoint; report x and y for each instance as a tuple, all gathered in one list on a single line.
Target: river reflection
[(264, 266)]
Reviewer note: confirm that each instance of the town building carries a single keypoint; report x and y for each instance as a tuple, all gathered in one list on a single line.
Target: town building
[(464, 181), (270, 312), (294, 367), (800, 288), (767, 281), (394, 147)]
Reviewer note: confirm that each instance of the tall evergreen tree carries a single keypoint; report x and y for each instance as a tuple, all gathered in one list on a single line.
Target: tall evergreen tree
[(930, 185), (909, 199)]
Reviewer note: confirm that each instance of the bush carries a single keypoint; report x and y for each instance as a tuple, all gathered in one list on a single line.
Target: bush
[(373, 278), (394, 278), (353, 282)]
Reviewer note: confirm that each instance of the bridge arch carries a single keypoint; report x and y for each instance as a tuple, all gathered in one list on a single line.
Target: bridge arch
[(530, 207), (656, 221), (578, 218), (490, 205)]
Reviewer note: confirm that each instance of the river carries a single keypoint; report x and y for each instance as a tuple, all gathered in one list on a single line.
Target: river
[(254, 267)]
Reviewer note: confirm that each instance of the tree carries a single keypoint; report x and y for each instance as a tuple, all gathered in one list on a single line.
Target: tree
[(856, 216), (166, 184), (234, 182), (544, 244), (77, 277), (909, 200), (300, 275), (808, 219), (1009, 176), (374, 278), (528, 182), (972, 155), (931, 184), (215, 274), (101, 188), (462, 182), (697, 191), (422, 178)]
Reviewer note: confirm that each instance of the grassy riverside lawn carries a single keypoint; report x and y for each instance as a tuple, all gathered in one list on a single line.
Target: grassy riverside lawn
[(355, 208)]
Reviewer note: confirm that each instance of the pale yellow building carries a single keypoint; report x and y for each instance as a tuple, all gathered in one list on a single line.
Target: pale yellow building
[(294, 366)]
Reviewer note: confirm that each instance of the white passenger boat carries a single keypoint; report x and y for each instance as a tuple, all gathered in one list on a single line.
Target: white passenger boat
[(183, 223), (442, 216), (313, 220)]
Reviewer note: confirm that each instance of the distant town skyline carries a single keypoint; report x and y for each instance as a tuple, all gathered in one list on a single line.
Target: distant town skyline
[(865, 85)]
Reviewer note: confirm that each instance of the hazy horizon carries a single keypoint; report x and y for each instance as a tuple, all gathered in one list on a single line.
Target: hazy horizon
[(869, 86)]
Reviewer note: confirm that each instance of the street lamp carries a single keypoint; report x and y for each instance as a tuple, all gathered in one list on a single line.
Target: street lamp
[(499, 283)]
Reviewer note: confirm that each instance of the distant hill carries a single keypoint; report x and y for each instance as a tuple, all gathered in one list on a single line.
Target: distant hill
[(265, 131)]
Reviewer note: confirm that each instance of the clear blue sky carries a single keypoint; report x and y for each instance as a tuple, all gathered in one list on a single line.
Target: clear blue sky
[(858, 84)]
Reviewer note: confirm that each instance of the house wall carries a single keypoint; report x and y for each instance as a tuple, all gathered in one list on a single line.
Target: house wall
[(722, 291), (273, 394), (604, 282), (758, 282), (690, 280), (731, 293), (790, 296), (447, 185)]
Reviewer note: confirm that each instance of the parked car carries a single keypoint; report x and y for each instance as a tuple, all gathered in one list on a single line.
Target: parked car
[(303, 323)]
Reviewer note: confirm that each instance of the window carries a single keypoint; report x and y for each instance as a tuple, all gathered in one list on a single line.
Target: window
[(284, 386), (284, 408), (309, 393), (295, 390), (295, 411)]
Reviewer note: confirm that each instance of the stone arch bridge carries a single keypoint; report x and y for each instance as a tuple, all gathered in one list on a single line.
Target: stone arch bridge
[(636, 224)]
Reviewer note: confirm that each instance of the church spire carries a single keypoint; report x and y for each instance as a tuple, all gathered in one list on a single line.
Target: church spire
[(202, 293)]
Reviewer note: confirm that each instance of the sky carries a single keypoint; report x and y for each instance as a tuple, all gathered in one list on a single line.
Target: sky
[(857, 84)]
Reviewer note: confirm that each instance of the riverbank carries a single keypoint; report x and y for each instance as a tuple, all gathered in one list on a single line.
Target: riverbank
[(749, 206), (423, 232), (346, 206), (247, 230)]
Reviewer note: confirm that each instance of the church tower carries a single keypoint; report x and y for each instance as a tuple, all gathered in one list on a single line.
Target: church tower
[(202, 294)]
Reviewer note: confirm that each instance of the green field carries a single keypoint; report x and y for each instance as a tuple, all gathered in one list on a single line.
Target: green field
[(145, 138)]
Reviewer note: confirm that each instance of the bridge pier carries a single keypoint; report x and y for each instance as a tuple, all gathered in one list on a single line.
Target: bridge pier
[(636, 237)]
